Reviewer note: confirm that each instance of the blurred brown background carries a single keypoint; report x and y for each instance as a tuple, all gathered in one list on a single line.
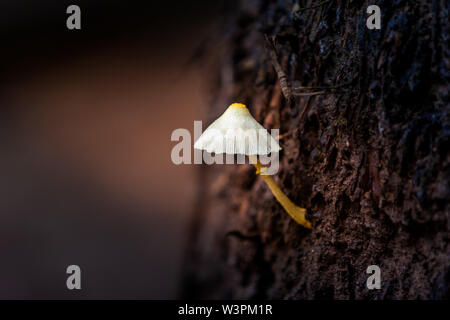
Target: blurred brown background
[(85, 122)]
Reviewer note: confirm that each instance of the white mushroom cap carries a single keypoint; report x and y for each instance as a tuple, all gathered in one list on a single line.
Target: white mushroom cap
[(237, 132)]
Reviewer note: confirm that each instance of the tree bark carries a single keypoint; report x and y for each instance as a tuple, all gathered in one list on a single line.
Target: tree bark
[(369, 160)]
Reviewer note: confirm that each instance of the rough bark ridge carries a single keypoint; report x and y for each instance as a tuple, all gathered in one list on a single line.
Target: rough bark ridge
[(370, 161)]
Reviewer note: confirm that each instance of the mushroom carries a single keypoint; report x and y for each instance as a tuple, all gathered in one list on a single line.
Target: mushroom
[(237, 132)]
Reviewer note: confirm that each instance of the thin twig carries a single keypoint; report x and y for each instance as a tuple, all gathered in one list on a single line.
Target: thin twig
[(324, 87), (308, 93), (313, 7), (286, 89), (284, 85)]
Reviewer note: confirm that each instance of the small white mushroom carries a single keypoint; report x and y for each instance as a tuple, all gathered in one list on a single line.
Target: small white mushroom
[(237, 132)]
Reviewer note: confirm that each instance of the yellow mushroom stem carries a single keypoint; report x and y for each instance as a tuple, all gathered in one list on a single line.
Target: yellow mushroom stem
[(297, 213)]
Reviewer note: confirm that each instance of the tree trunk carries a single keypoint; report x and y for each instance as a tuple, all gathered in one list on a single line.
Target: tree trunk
[(369, 160)]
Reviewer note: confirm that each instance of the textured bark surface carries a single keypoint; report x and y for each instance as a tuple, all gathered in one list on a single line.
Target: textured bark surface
[(370, 161)]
